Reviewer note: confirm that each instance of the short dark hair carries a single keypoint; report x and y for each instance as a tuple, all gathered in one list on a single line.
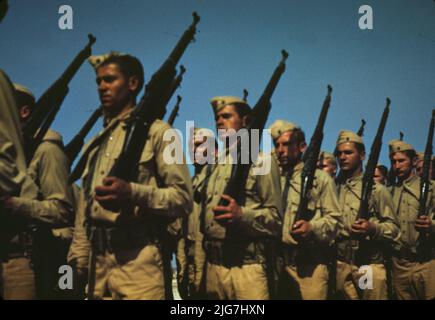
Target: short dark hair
[(130, 67), (383, 169), (298, 136), (242, 109), (411, 154), (360, 147)]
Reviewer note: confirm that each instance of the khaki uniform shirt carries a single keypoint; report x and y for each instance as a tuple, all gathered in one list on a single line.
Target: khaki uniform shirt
[(12, 161), (406, 201), (381, 216), (161, 189), (260, 214), (326, 218), (49, 169)]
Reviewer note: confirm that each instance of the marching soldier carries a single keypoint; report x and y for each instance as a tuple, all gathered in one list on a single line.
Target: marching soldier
[(188, 263), (381, 174), (306, 243), (361, 242), (53, 206), (127, 217), (419, 165), (412, 273), (328, 163), (234, 234)]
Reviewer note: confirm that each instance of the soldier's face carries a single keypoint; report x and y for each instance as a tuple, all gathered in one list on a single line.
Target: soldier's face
[(327, 166), (199, 150), (348, 156), (419, 168), (402, 165), (379, 177), (228, 118), (287, 151), (114, 89)]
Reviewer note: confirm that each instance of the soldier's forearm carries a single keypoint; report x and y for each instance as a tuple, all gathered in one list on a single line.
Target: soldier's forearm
[(54, 212)]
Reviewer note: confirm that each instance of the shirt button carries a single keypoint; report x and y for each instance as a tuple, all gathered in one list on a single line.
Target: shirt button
[(107, 154), (110, 138), (102, 172)]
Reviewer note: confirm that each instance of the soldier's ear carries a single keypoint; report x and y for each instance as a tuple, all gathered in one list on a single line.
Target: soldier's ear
[(133, 83), (245, 121), (414, 161), (362, 155), (25, 112), (303, 147)]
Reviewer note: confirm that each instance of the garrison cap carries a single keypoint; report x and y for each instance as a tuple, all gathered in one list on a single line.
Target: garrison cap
[(399, 146), (420, 156), (20, 88), (348, 136), (280, 126), (217, 103), (96, 61)]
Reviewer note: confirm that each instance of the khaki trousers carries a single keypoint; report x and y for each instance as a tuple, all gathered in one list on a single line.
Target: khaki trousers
[(135, 274), (414, 280), (349, 278), (18, 280), (311, 281), (248, 282)]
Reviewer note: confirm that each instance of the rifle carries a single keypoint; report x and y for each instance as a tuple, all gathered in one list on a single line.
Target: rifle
[(150, 108), (245, 95), (49, 103), (310, 161), (174, 86), (375, 151), (361, 129), (72, 149), (424, 248), (174, 112)]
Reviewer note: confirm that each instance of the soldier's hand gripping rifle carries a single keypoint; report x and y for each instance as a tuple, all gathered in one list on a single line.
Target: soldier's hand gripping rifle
[(174, 111), (49, 103), (310, 161), (367, 181), (425, 241), (236, 185), (72, 149)]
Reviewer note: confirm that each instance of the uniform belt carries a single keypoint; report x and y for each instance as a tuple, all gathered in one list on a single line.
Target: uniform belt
[(231, 253), (21, 246), (306, 254), (113, 239)]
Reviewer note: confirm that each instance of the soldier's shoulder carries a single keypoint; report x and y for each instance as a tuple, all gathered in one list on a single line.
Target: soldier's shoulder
[(53, 136), (159, 125), (323, 177), (381, 190)]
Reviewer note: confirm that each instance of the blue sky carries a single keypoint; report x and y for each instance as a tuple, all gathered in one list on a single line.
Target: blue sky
[(238, 46)]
